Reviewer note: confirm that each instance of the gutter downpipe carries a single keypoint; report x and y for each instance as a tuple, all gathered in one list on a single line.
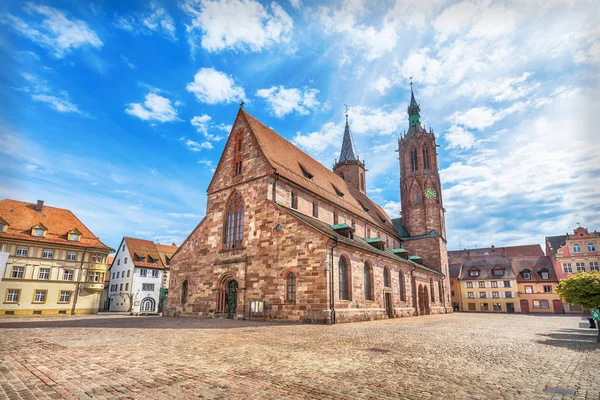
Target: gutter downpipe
[(331, 285), (414, 290), (78, 286)]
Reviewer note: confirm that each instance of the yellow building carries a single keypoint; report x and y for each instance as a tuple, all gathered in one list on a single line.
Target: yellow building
[(486, 283), (55, 264), (536, 282)]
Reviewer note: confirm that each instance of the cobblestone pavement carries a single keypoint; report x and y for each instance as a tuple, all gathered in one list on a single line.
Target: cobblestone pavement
[(460, 356)]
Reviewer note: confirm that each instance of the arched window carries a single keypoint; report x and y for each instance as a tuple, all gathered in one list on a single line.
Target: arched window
[(234, 222), (416, 196), (591, 247), (367, 279), (414, 161), (402, 286), (343, 279), (362, 182), (426, 164), (184, 291), (576, 248), (440, 287), (291, 287), (431, 289), (386, 277)]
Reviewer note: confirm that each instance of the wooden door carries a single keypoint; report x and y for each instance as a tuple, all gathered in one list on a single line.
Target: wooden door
[(388, 305), (524, 306), (557, 304)]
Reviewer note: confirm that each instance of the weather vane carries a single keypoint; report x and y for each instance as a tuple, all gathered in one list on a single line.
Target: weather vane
[(242, 104), (411, 81)]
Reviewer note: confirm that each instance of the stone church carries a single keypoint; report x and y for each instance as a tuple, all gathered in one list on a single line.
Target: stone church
[(286, 238)]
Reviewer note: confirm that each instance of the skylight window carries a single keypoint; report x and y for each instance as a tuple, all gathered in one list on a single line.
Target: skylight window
[(305, 172), (337, 191), (363, 207)]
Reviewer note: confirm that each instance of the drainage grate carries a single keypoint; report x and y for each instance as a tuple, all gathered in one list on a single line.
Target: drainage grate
[(376, 350), (564, 392)]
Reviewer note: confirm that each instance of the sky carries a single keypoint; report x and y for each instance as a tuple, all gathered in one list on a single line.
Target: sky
[(119, 111)]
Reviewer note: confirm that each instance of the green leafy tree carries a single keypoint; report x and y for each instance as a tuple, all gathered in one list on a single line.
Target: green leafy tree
[(582, 288)]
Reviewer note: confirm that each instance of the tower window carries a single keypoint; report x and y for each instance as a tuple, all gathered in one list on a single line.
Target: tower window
[(414, 161), (416, 196), (362, 182), (426, 164)]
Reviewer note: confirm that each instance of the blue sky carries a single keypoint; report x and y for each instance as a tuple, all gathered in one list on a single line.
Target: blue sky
[(119, 110)]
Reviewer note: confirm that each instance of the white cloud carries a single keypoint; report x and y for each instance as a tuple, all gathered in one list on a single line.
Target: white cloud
[(212, 87), (285, 101), (184, 215), (59, 104), (296, 3), (203, 125), (317, 142), (236, 24), (127, 62), (501, 89), (156, 20), (368, 40), (55, 31), (154, 108), (482, 117), (197, 146), (382, 84), (392, 208), (458, 137)]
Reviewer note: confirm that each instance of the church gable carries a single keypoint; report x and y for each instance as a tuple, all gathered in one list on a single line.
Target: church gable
[(242, 158)]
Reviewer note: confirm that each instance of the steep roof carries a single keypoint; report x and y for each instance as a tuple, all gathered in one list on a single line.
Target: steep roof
[(147, 248), (454, 270), (528, 250), (166, 252), (287, 159), (556, 242), (359, 243), (399, 226), (21, 217), (485, 265), (534, 265)]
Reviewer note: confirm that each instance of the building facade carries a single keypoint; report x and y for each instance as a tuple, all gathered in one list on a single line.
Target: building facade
[(137, 276), (286, 238), (487, 284), (536, 282), (572, 253), (56, 265)]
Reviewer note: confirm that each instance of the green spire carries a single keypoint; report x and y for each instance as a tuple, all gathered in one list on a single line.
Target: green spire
[(414, 118)]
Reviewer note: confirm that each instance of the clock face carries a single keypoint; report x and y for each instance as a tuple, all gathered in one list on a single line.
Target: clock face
[(430, 193)]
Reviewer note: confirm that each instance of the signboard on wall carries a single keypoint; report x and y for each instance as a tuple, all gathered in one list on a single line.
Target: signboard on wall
[(3, 258), (257, 306)]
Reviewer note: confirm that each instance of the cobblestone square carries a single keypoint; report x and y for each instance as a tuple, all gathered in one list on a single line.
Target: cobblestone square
[(459, 356)]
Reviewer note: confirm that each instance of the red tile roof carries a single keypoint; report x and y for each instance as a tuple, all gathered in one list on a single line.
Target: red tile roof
[(287, 159), (147, 248), (527, 250), (534, 265), (21, 217)]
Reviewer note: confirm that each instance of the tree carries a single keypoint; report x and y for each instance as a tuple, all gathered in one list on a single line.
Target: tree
[(582, 288)]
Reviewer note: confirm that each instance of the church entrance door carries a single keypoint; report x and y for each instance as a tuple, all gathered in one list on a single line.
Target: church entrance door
[(231, 299), (389, 310)]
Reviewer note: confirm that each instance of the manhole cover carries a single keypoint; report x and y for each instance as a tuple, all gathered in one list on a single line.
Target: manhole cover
[(375, 349), (564, 392)]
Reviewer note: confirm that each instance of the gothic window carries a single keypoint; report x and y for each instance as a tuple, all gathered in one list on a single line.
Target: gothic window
[(362, 182), (386, 277), (576, 248), (293, 200), (591, 247), (414, 160), (234, 222), (343, 279), (440, 290), (431, 289), (184, 291), (416, 196), (402, 287), (426, 164), (237, 159), (367, 279), (291, 287)]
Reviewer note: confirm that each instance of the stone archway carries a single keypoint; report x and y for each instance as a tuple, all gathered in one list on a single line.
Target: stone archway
[(148, 305), (227, 296), (423, 300)]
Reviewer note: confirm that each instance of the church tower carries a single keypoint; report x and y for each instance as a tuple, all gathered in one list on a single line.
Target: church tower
[(349, 166), (420, 188)]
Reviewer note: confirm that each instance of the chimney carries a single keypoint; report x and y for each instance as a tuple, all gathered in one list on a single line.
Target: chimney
[(173, 244), (39, 206), (493, 248), (468, 254)]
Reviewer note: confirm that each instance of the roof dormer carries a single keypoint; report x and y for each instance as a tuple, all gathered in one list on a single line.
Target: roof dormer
[(39, 230), (3, 225), (474, 272), (74, 235)]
